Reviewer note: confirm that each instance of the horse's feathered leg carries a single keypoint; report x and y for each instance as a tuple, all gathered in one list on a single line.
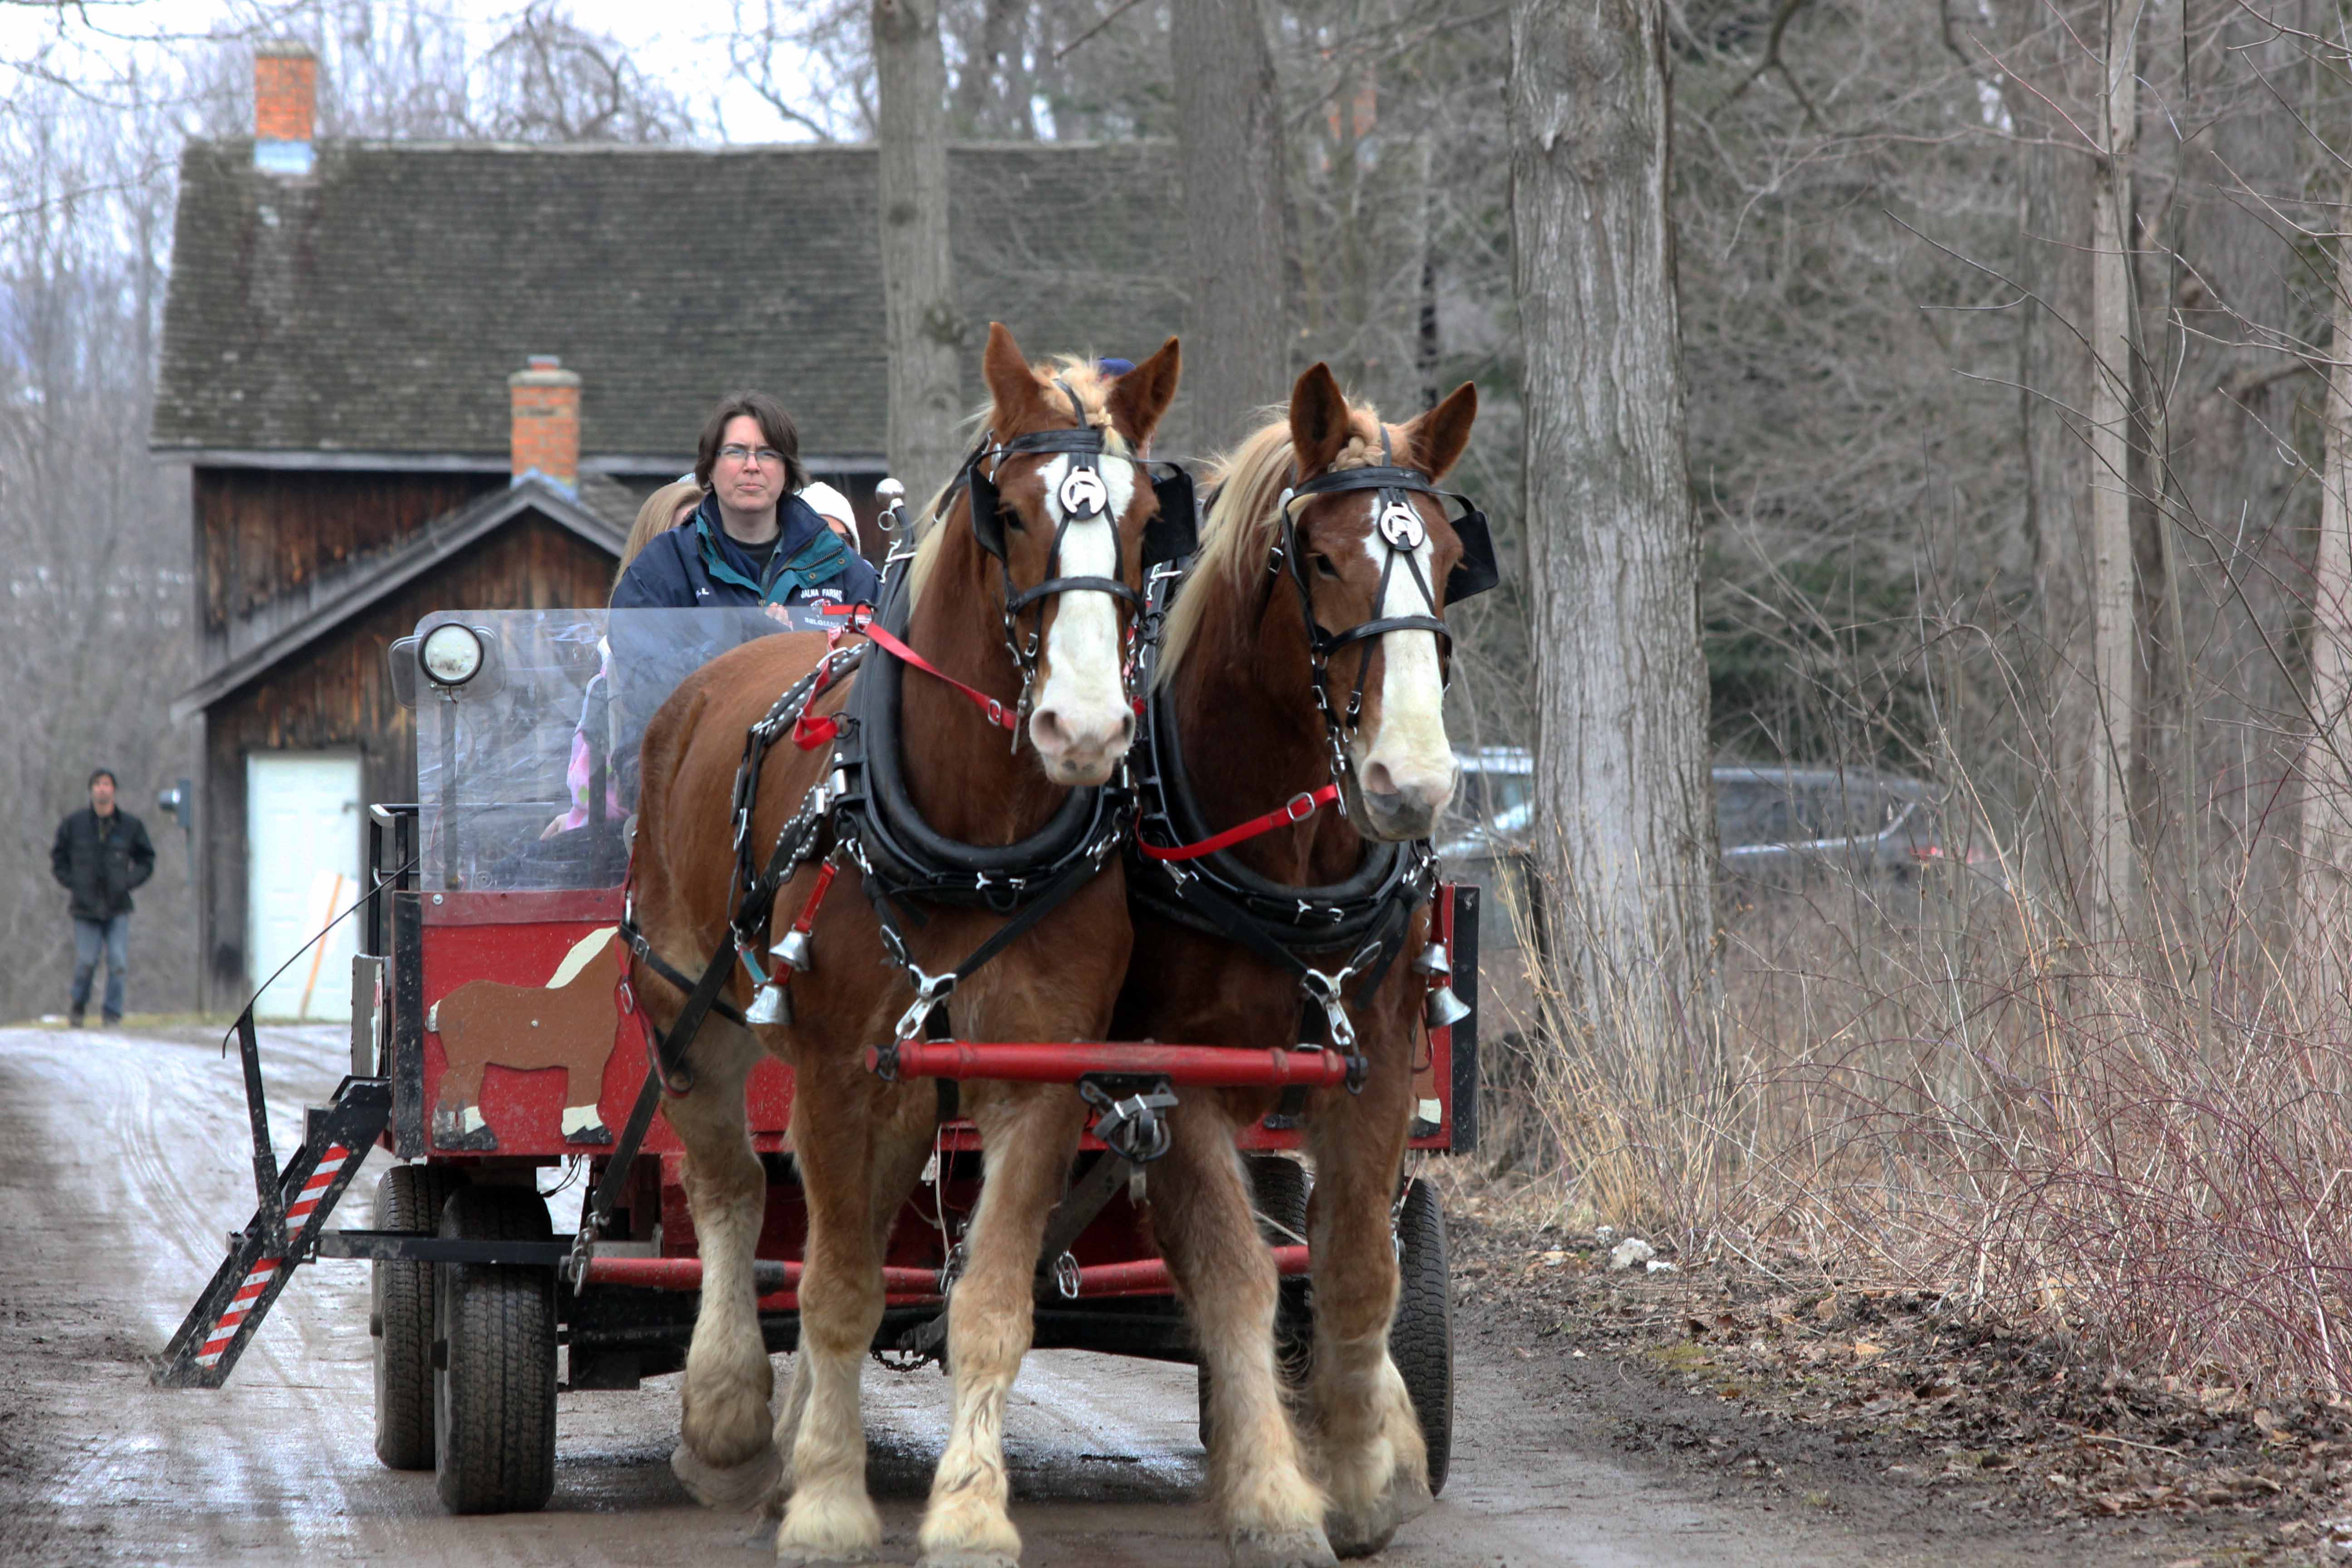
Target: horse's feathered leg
[(904, 1144), (1272, 1512), (829, 1518), (1028, 1136), (726, 1457), (1373, 1463)]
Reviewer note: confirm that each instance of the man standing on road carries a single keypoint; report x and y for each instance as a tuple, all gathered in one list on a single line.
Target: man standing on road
[(101, 854)]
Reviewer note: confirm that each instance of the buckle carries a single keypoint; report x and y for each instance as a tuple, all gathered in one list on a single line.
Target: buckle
[(930, 990)]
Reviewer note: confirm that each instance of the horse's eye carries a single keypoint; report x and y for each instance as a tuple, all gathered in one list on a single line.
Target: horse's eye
[(1323, 568)]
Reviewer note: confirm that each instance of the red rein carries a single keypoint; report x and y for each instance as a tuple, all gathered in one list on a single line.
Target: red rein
[(992, 708), (1298, 809)]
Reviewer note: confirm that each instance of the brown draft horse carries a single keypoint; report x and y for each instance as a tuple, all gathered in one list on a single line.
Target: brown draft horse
[(1236, 666), (859, 1142)]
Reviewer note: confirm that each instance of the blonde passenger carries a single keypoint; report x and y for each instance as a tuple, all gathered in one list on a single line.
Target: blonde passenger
[(666, 509)]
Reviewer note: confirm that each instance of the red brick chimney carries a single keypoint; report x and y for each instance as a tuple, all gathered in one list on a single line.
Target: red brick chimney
[(545, 400), (285, 107)]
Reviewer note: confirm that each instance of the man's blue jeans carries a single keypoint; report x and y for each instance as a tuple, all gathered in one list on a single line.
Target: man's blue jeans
[(90, 936)]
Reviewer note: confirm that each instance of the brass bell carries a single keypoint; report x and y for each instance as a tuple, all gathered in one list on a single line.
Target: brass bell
[(795, 951), (1445, 1008), (1433, 960), (770, 1006)]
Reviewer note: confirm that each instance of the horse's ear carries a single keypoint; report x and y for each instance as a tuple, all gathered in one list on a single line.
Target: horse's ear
[(1436, 439), (1319, 419), (1139, 399), (1018, 403)]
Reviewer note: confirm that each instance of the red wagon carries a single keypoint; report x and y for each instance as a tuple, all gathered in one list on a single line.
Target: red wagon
[(492, 1038)]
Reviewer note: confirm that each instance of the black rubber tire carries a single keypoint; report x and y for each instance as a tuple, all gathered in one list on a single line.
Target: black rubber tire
[(494, 1377), (400, 1316), (1421, 1336), (1278, 1191)]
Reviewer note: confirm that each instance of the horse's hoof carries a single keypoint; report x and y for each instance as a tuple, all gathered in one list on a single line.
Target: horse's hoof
[(968, 1560), (1361, 1534), (730, 1488), (791, 1556), (1299, 1549)]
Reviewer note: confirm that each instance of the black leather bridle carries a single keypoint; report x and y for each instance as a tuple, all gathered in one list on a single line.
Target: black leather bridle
[(1082, 496), (1401, 530)]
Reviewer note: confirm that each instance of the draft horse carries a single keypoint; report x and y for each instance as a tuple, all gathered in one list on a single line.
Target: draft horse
[(1306, 651), (1020, 612)]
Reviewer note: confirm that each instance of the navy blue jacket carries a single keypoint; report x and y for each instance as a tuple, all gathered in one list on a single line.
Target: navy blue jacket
[(698, 566)]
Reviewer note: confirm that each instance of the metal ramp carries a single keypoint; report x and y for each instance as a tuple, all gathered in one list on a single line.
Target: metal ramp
[(286, 1223)]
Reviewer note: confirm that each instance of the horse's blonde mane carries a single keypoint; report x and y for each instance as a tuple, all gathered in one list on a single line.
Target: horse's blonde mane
[(1243, 521), (1085, 378)]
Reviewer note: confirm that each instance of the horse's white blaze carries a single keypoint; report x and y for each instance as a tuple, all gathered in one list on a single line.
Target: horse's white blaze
[(1410, 745), (1082, 686)]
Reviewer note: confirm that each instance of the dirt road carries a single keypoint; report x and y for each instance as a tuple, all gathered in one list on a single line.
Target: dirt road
[(122, 1167)]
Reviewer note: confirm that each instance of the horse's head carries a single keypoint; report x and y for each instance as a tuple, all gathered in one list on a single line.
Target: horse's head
[(1373, 558), (1061, 499)]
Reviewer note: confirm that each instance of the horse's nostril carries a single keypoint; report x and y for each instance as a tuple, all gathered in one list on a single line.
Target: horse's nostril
[(1127, 729), (1379, 780), (1046, 728)]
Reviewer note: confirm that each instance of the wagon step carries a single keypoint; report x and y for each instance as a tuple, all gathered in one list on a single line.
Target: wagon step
[(288, 1219)]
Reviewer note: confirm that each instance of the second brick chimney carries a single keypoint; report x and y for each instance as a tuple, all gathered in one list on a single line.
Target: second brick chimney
[(545, 400), (285, 107)]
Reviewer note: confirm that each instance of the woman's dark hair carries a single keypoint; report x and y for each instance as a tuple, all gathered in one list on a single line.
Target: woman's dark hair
[(776, 427)]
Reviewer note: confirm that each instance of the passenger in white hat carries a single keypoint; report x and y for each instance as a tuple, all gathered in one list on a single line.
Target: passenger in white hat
[(839, 515)]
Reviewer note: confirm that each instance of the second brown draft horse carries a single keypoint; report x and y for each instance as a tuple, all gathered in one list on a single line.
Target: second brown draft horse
[(1306, 648)]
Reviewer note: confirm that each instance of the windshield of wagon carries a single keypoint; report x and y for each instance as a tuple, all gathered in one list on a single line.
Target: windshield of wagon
[(527, 771)]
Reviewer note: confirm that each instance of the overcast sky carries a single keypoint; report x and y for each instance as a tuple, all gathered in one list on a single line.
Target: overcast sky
[(680, 42)]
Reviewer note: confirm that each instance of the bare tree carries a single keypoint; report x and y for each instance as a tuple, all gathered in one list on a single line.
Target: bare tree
[(2327, 764), (1621, 689), (923, 322), (2115, 652), (1229, 137), (549, 79)]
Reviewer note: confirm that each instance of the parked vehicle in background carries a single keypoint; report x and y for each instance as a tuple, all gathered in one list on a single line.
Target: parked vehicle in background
[(1768, 819)]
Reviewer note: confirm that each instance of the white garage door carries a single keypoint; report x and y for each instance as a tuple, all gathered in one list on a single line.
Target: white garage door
[(303, 860)]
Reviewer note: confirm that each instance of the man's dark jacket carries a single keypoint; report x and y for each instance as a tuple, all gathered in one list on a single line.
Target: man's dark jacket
[(697, 566), (101, 867)]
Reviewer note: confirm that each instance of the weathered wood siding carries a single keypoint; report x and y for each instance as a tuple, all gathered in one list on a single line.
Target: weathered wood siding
[(334, 696), (271, 543)]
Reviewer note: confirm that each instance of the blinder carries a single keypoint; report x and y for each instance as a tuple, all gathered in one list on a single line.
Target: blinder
[(1476, 571), (1173, 534)]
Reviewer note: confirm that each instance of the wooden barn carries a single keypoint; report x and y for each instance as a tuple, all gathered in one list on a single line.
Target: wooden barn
[(414, 376)]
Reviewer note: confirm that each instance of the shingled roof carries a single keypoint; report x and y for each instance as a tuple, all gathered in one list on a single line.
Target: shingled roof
[(377, 306)]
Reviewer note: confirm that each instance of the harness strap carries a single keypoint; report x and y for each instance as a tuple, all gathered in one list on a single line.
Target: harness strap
[(992, 708), (1299, 809), (640, 945)]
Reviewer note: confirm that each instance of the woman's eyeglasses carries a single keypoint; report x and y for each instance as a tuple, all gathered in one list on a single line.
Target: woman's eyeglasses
[(766, 456)]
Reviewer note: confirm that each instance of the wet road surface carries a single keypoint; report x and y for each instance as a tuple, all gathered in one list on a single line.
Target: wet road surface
[(124, 1163)]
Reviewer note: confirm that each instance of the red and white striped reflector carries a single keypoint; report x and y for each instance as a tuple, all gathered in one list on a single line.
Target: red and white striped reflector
[(298, 1218)]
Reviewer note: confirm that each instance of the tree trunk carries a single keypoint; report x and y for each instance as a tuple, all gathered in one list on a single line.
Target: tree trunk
[(1229, 144), (923, 321), (2113, 638), (2328, 763), (1628, 825)]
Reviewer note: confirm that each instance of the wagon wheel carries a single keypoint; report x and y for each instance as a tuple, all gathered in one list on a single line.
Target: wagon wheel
[(400, 1316), (1278, 1191), (494, 1357), (1421, 1336)]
